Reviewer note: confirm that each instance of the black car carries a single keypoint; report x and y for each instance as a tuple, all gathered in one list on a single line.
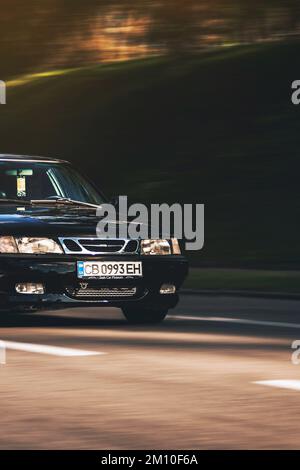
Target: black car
[(51, 257)]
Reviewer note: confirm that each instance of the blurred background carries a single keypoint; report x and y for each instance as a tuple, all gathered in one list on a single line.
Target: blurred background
[(170, 101), (166, 101)]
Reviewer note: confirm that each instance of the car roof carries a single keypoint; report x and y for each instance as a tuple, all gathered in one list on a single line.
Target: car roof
[(5, 157)]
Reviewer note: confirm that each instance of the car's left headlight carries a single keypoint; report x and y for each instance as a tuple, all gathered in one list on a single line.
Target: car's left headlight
[(37, 245), (160, 247)]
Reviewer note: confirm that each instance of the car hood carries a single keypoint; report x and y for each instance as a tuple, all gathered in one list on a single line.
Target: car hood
[(48, 220)]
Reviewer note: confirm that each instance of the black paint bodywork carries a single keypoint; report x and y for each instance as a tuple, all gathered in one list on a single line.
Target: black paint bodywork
[(58, 272)]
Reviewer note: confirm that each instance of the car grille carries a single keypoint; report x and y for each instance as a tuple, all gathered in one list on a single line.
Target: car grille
[(98, 246), (102, 292)]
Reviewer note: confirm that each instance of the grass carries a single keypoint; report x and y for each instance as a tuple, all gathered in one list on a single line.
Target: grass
[(218, 128)]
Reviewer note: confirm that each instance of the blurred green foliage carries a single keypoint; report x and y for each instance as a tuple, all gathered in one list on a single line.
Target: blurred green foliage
[(217, 128), (37, 34)]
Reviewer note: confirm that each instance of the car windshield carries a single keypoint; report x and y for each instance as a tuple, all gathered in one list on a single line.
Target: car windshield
[(44, 181)]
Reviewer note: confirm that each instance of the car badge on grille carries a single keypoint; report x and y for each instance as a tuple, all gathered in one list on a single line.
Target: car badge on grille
[(83, 285)]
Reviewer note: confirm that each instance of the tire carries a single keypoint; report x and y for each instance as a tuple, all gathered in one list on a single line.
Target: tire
[(144, 316)]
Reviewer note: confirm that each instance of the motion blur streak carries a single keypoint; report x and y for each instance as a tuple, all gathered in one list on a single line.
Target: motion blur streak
[(52, 350), (183, 384), (290, 384), (37, 35)]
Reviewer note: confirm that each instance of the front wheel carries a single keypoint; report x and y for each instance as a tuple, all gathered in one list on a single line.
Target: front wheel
[(144, 316)]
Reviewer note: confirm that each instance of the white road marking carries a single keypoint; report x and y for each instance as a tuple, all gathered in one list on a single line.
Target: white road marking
[(290, 384), (240, 321), (2, 353), (52, 350)]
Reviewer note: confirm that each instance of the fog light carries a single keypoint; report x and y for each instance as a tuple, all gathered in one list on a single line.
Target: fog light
[(167, 289), (30, 288)]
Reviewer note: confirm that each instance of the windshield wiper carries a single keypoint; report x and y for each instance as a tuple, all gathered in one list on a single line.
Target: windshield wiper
[(64, 200), (16, 201)]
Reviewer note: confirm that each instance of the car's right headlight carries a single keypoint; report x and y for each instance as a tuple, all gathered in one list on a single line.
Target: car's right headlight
[(8, 245), (40, 246), (29, 245)]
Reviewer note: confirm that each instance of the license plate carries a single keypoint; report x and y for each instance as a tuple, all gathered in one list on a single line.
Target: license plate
[(109, 269)]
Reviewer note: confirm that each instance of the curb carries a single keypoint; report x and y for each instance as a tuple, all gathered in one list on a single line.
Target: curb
[(241, 293)]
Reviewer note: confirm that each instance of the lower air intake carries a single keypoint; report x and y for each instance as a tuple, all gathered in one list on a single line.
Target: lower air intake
[(104, 292)]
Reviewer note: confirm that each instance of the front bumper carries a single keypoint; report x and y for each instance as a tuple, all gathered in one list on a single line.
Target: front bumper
[(58, 273)]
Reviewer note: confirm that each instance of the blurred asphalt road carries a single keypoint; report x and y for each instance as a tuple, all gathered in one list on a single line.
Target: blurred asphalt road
[(188, 383)]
